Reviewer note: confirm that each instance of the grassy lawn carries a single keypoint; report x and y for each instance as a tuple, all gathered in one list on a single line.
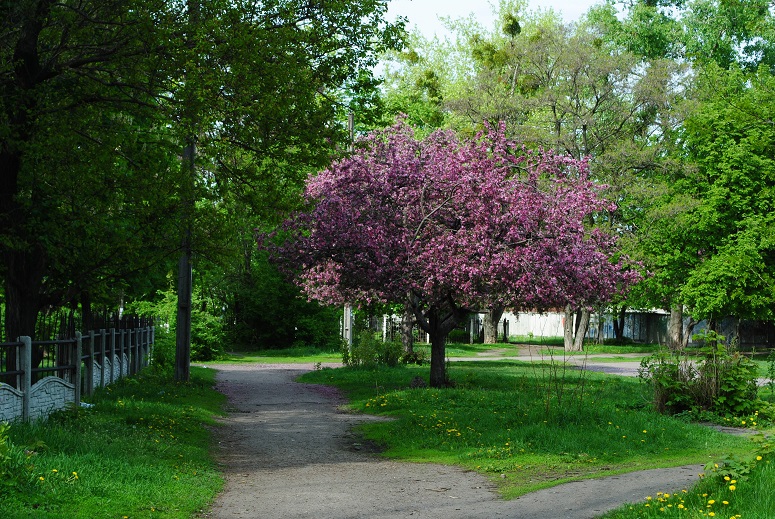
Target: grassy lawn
[(526, 425), (717, 495), (290, 355), (142, 451)]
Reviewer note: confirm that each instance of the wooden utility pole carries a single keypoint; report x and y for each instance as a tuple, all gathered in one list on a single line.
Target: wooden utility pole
[(185, 273), (188, 172)]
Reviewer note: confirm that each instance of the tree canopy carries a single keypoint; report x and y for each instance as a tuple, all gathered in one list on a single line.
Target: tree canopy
[(98, 100), (450, 225)]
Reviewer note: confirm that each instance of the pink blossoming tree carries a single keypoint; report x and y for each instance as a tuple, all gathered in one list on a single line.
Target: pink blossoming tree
[(448, 225)]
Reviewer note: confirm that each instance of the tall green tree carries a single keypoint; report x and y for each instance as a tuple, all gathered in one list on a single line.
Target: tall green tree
[(77, 110), (564, 87), (101, 96), (730, 138), (711, 36)]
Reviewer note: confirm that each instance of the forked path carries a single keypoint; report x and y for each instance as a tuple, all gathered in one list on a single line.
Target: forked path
[(287, 452)]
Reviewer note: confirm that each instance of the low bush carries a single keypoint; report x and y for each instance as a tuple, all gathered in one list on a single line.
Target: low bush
[(721, 380), (368, 351)]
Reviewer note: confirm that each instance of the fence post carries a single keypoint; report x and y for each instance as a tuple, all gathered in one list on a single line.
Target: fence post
[(146, 346), (26, 365), (90, 366), (131, 350), (121, 373), (112, 354), (77, 361), (151, 344), (138, 349), (102, 357)]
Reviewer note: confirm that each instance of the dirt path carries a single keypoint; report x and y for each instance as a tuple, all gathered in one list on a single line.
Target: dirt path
[(287, 452)]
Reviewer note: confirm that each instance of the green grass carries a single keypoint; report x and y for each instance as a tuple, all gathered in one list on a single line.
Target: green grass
[(142, 451), (526, 425), (303, 355), (537, 340), (461, 349), (717, 495)]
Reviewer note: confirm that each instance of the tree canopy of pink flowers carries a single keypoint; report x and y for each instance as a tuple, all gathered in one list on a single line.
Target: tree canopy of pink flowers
[(448, 225)]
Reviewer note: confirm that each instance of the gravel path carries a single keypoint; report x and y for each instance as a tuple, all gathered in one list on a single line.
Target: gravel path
[(287, 452)]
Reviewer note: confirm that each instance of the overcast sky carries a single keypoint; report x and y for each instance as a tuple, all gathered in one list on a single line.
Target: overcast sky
[(425, 14)]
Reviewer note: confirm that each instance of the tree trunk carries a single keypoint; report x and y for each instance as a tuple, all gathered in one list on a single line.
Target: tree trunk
[(618, 318), (407, 323), (575, 328), (87, 317), (438, 322), (438, 376), (600, 325), (675, 328), (581, 330), (688, 331), (185, 281), (491, 319), (24, 272), (568, 328)]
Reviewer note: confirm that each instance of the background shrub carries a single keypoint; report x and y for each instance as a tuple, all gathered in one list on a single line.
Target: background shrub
[(721, 380), (369, 351)]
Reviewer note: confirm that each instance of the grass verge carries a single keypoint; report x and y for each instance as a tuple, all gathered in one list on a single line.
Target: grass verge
[(141, 451), (303, 355), (717, 495), (526, 425)]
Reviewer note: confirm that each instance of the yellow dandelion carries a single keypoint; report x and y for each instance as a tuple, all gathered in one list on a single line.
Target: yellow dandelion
[(758, 458), (732, 488), (42, 478)]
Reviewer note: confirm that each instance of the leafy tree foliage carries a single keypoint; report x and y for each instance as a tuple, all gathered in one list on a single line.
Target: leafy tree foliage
[(701, 237), (267, 311), (731, 140), (98, 99), (569, 88), (76, 149), (451, 225)]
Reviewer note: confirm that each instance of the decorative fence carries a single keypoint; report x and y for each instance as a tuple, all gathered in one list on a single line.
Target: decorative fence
[(39, 377)]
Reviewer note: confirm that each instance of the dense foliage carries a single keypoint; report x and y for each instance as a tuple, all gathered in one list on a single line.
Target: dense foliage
[(446, 225), (99, 100)]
